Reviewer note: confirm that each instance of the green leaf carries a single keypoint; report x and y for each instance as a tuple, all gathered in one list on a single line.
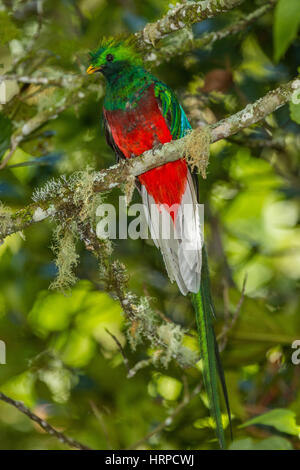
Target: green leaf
[(21, 387), (23, 173), (257, 330), (168, 387), (295, 112), (271, 443), (8, 29), (78, 349), (242, 444), (255, 62), (295, 108), (280, 419), (53, 311), (6, 131), (274, 443), (89, 312), (286, 24)]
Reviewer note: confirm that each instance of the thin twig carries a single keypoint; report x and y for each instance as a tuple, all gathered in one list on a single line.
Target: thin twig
[(99, 417), (44, 424), (125, 360), (116, 283), (243, 23), (75, 95), (138, 366)]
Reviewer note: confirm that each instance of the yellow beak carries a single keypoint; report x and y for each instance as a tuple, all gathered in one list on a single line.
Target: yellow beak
[(91, 69)]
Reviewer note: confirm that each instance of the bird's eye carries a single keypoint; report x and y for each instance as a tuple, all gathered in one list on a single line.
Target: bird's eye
[(109, 58)]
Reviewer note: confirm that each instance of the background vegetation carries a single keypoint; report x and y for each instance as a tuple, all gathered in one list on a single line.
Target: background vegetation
[(63, 360)]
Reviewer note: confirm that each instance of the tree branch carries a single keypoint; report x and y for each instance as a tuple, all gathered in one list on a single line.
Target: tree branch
[(116, 280), (185, 41), (44, 425), (174, 150), (176, 19), (63, 81), (184, 14), (105, 180), (75, 95)]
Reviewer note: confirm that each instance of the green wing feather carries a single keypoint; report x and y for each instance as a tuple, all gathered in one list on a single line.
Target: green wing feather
[(171, 110), (202, 301)]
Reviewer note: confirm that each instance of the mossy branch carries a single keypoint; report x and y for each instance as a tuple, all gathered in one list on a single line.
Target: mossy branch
[(172, 151), (142, 322), (184, 41), (184, 14), (64, 248), (57, 198), (177, 19), (74, 95)]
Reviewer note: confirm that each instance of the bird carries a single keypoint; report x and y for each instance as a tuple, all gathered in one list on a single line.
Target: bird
[(140, 113)]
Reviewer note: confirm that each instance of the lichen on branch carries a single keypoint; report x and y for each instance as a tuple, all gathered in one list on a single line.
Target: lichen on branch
[(66, 258), (5, 219), (184, 14), (166, 338), (197, 150), (183, 40), (57, 196)]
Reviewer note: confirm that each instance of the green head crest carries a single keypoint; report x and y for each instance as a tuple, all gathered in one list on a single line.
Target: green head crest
[(113, 54)]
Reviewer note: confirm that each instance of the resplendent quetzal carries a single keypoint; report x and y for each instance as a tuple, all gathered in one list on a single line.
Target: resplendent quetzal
[(140, 112)]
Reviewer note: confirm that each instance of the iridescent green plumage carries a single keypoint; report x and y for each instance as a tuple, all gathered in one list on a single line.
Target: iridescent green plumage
[(212, 367), (172, 110), (127, 84), (124, 49)]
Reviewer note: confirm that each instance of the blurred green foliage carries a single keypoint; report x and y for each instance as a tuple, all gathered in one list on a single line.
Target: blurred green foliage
[(61, 358), (281, 419), (286, 24), (9, 30)]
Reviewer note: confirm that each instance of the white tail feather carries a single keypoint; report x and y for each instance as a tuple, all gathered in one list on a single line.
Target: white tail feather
[(180, 243)]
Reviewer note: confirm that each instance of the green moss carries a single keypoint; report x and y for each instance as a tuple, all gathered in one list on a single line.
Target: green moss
[(84, 196), (197, 150), (165, 338), (5, 219), (66, 260), (53, 188), (128, 188)]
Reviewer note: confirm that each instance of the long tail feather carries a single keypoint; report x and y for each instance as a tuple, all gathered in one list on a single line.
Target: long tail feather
[(212, 368)]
